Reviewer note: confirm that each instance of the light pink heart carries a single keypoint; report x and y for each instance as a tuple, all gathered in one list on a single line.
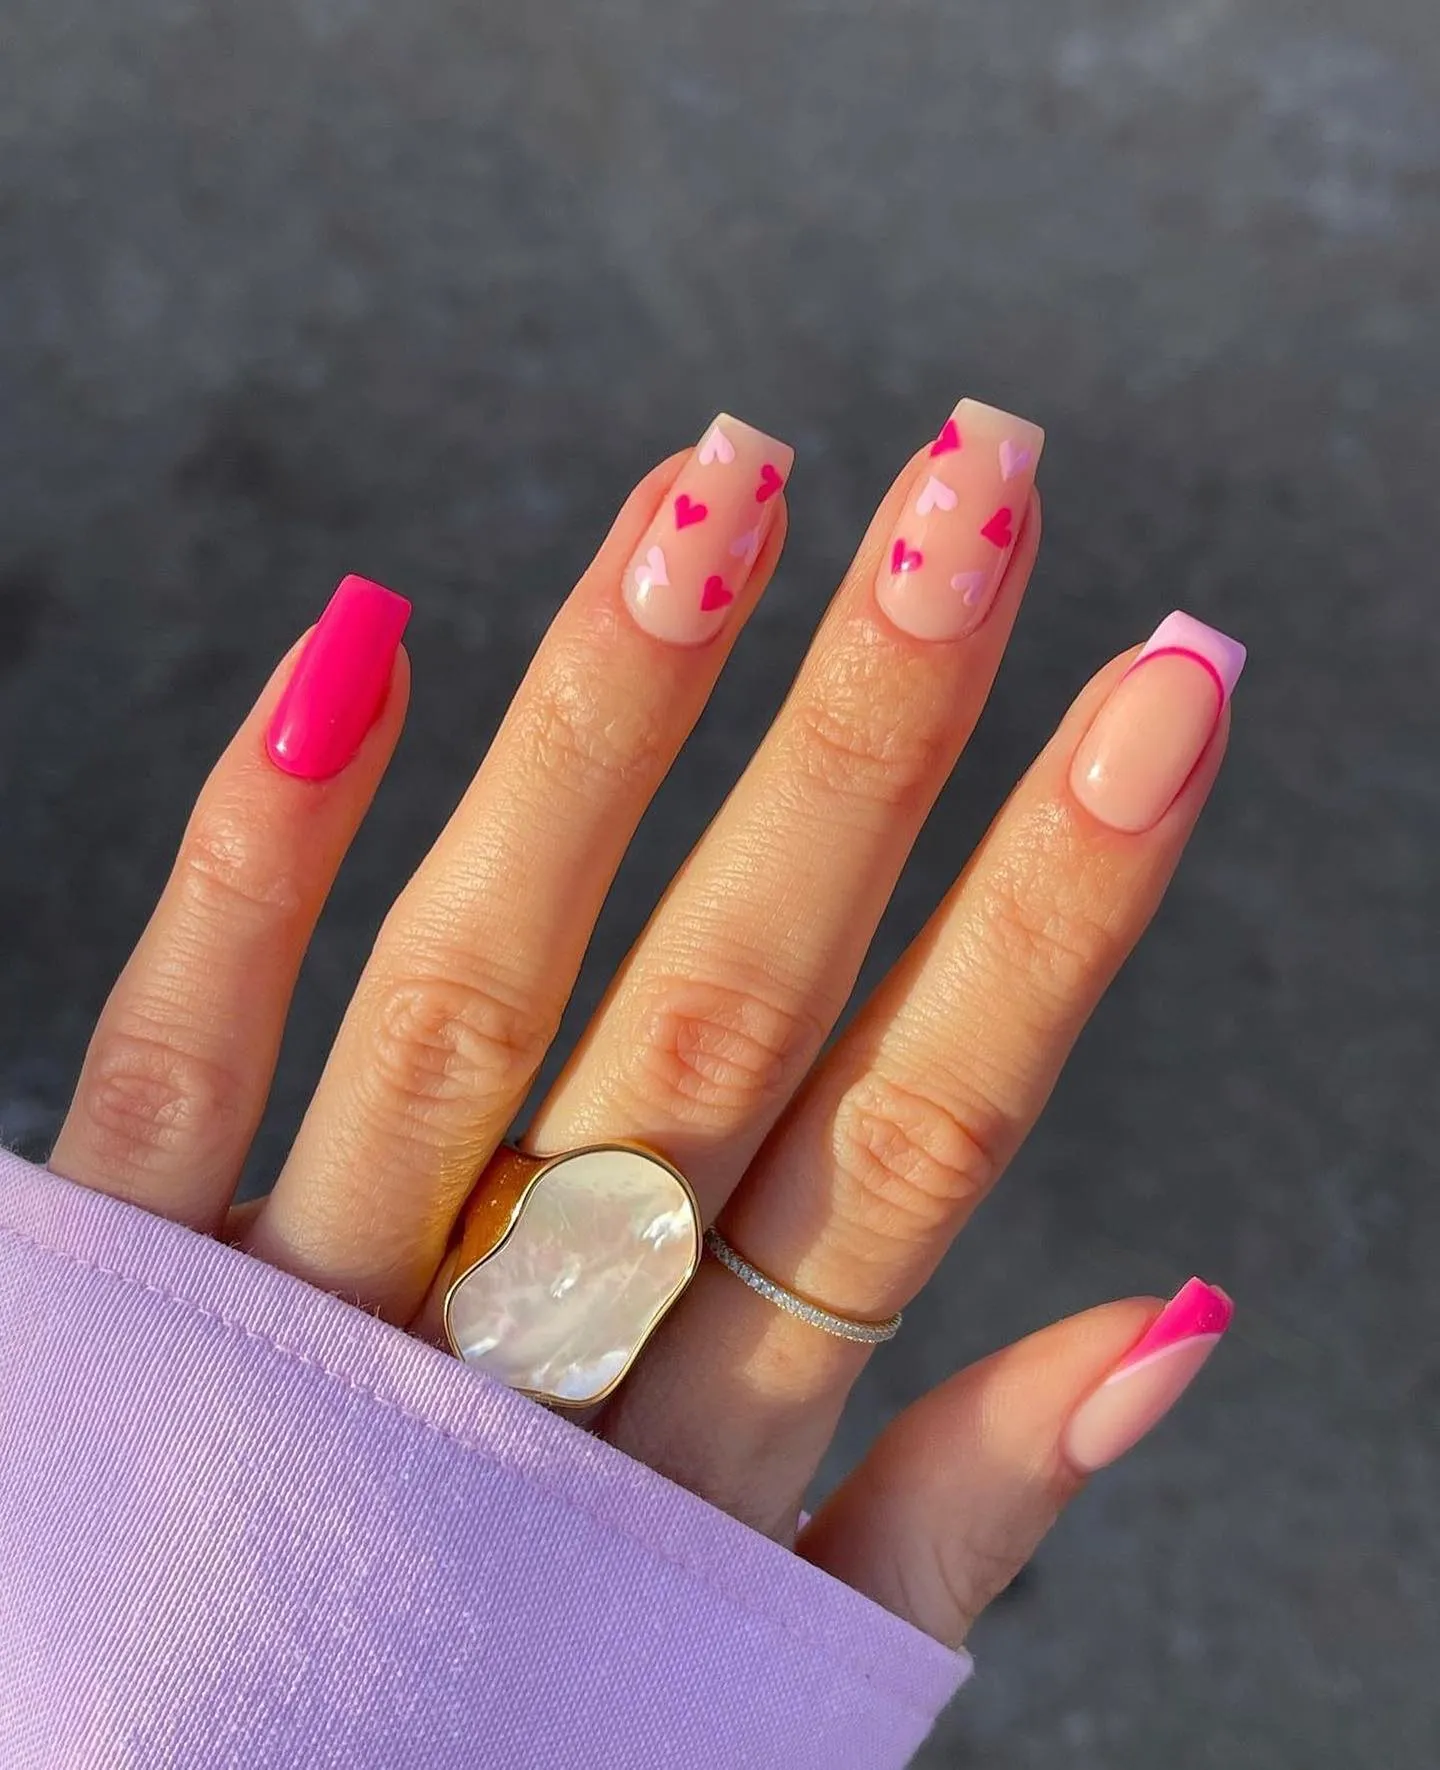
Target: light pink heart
[(653, 571), (744, 545), (971, 586), (717, 447), (1014, 459), (936, 496)]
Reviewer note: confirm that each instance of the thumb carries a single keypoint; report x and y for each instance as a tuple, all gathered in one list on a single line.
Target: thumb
[(957, 1492)]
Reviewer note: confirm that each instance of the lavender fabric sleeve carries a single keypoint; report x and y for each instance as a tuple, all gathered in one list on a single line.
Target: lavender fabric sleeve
[(243, 1523)]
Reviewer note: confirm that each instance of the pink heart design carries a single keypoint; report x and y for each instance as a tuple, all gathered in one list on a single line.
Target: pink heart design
[(653, 571), (998, 531), (948, 439), (715, 595), (744, 545), (688, 511), (905, 559), (936, 496), (716, 447), (770, 483), (1014, 459), (971, 585)]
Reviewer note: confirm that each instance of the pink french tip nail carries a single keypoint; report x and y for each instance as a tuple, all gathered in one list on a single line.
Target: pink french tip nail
[(1150, 1378), (693, 560), (943, 566), (1183, 636), (340, 681), (1144, 743)]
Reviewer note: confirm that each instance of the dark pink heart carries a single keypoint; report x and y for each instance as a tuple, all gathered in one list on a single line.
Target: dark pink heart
[(948, 439), (715, 595), (905, 559), (688, 511), (998, 530), (770, 483)]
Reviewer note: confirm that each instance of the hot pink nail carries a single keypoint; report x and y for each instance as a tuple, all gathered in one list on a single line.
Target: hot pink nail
[(943, 565), (1150, 1378), (338, 686), (1145, 741), (698, 553)]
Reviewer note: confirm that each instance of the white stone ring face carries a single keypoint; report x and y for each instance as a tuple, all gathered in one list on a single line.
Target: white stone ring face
[(568, 1264)]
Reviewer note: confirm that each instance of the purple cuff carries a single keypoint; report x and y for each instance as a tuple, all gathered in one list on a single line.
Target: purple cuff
[(243, 1523)]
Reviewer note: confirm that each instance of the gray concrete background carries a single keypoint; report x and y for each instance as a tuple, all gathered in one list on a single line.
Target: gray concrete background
[(291, 289)]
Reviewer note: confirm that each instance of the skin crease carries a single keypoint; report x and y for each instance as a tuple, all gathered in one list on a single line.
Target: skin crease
[(846, 1181)]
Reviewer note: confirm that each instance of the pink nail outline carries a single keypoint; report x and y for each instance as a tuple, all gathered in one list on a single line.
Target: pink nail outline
[(1181, 635)]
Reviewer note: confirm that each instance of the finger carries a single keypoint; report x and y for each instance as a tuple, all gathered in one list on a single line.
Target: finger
[(957, 1492), (181, 1061), (733, 987), (476, 960), (908, 1123)]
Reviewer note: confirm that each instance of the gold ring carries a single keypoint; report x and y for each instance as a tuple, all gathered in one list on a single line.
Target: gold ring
[(567, 1264)]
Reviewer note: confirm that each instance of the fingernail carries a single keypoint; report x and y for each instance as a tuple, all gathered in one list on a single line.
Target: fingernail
[(698, 553), (1145, 741), (338, 686), (1150, 1379), (944, 562)]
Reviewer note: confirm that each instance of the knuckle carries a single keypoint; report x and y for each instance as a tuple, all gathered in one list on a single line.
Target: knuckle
[(855, 740), (1041, 926), (712, 1049), (439, 1041), (904, 1164), (146, 1101), (228, 867), (587, 740), (974, 1567)]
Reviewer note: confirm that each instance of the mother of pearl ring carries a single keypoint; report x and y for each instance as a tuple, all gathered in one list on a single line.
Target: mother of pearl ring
[(568, 1263)]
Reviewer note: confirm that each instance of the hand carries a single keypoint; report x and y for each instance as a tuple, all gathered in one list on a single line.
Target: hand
[(844, 1179)]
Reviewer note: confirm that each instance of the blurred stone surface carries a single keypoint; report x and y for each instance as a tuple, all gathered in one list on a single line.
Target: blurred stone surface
[(317, 286)]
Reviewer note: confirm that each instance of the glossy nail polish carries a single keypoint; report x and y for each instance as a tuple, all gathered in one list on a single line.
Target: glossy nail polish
[(1145, 741), (698, 553), (338, 686), (1150, 1379), (944, 563)]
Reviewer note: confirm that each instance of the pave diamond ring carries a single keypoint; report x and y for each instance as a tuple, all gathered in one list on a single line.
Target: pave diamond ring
[(867, 1333)]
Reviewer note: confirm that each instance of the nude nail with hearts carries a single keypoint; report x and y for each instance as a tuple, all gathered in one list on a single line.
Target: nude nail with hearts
[(947, 558), (686, 578)]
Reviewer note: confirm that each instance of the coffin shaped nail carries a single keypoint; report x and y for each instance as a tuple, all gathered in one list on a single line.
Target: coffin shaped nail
[(1143, 744), (945, 561), (1150, 1378), (339, 683), (697, 555)]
